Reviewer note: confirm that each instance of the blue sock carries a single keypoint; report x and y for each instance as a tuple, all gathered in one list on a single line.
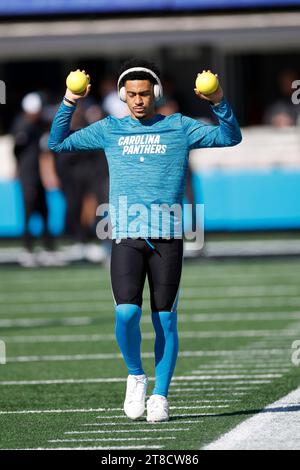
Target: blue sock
[(166, 349), (128, 335)]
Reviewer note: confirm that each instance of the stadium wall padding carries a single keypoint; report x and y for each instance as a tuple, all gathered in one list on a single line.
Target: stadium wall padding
[(234, 201)]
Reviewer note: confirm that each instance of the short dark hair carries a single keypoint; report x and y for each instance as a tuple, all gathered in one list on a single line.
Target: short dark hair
[(132, 63)]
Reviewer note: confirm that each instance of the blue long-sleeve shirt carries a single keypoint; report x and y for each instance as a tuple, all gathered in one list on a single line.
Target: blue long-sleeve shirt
[(147, 163)]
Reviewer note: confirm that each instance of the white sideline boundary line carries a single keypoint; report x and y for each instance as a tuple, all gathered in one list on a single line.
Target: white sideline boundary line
[(276, 427)]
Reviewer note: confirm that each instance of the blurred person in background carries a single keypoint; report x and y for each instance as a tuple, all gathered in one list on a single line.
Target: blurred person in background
[(27, 131), (111, 103), (282, 112), (84, 182)]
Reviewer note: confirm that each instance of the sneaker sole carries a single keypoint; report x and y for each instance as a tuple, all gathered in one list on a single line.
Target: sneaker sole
[(157, 421)]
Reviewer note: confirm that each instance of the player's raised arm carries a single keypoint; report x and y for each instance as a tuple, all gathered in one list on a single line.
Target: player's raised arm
[(61, 138), (200, 135)]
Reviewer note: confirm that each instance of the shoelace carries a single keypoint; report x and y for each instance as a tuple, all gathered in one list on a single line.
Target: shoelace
[(137, 390)]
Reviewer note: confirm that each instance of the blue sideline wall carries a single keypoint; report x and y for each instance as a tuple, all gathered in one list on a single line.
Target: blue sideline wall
[(234, 201)]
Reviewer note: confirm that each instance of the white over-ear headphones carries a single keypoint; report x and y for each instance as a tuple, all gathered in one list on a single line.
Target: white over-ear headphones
[(158, 89)]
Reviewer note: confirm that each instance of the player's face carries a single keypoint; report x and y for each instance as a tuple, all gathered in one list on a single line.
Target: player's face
[(140, 98)]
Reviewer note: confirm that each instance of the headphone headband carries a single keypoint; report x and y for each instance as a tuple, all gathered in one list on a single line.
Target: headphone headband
[(139, 69)]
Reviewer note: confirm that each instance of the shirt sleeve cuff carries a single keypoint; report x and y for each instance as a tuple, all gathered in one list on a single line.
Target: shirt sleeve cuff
[(67, 108), (214, 105)]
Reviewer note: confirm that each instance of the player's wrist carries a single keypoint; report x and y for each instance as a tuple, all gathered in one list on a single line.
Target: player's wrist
[(71, 96), (69, 102), (217, 102)]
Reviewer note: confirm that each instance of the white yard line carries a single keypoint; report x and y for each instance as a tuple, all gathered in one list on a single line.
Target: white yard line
[(200, 376), (93, 448), (32, 322), (200, 386), (146, 355), (277, 370), (219, 388), (220, 382), (147, 336), (123, 431), (229, 275), (115, 439), (182, 318), (198, 407), (107, 305), (190, 280), (91, 410), (209, 402), (290, 301), (62, 381), (137, 423), (27, 412), (182, 380), (276, 427), (174, 417), (185, 293), (216, 368), (211, 387), (188, 273), (63, 307), (172, 395), (216, 394), (233, 317)]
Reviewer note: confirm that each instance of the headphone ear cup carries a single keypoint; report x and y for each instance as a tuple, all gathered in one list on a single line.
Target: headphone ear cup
[(122, 94), (157, 92)]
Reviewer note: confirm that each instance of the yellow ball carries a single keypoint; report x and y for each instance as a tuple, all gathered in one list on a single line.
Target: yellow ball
[(207, 83), (77, 82)]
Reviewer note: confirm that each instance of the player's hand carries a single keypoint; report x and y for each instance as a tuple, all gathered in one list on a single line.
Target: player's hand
[(74, 97), (215, 97)]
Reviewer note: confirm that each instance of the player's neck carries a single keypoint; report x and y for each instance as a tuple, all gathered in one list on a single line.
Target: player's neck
[(148, 117)]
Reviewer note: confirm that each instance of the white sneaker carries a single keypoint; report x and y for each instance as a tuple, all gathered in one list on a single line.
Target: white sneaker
[(134, 404), (157, 409)]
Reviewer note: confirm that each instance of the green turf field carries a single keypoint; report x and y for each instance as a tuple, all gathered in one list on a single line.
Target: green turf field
[(64, 381)]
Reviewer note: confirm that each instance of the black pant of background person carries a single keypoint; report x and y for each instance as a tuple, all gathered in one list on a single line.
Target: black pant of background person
[(82, 175), (34, 196), (190, 194)]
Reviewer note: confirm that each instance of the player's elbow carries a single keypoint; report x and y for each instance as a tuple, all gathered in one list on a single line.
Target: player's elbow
[(54, 146), (235, 140)]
